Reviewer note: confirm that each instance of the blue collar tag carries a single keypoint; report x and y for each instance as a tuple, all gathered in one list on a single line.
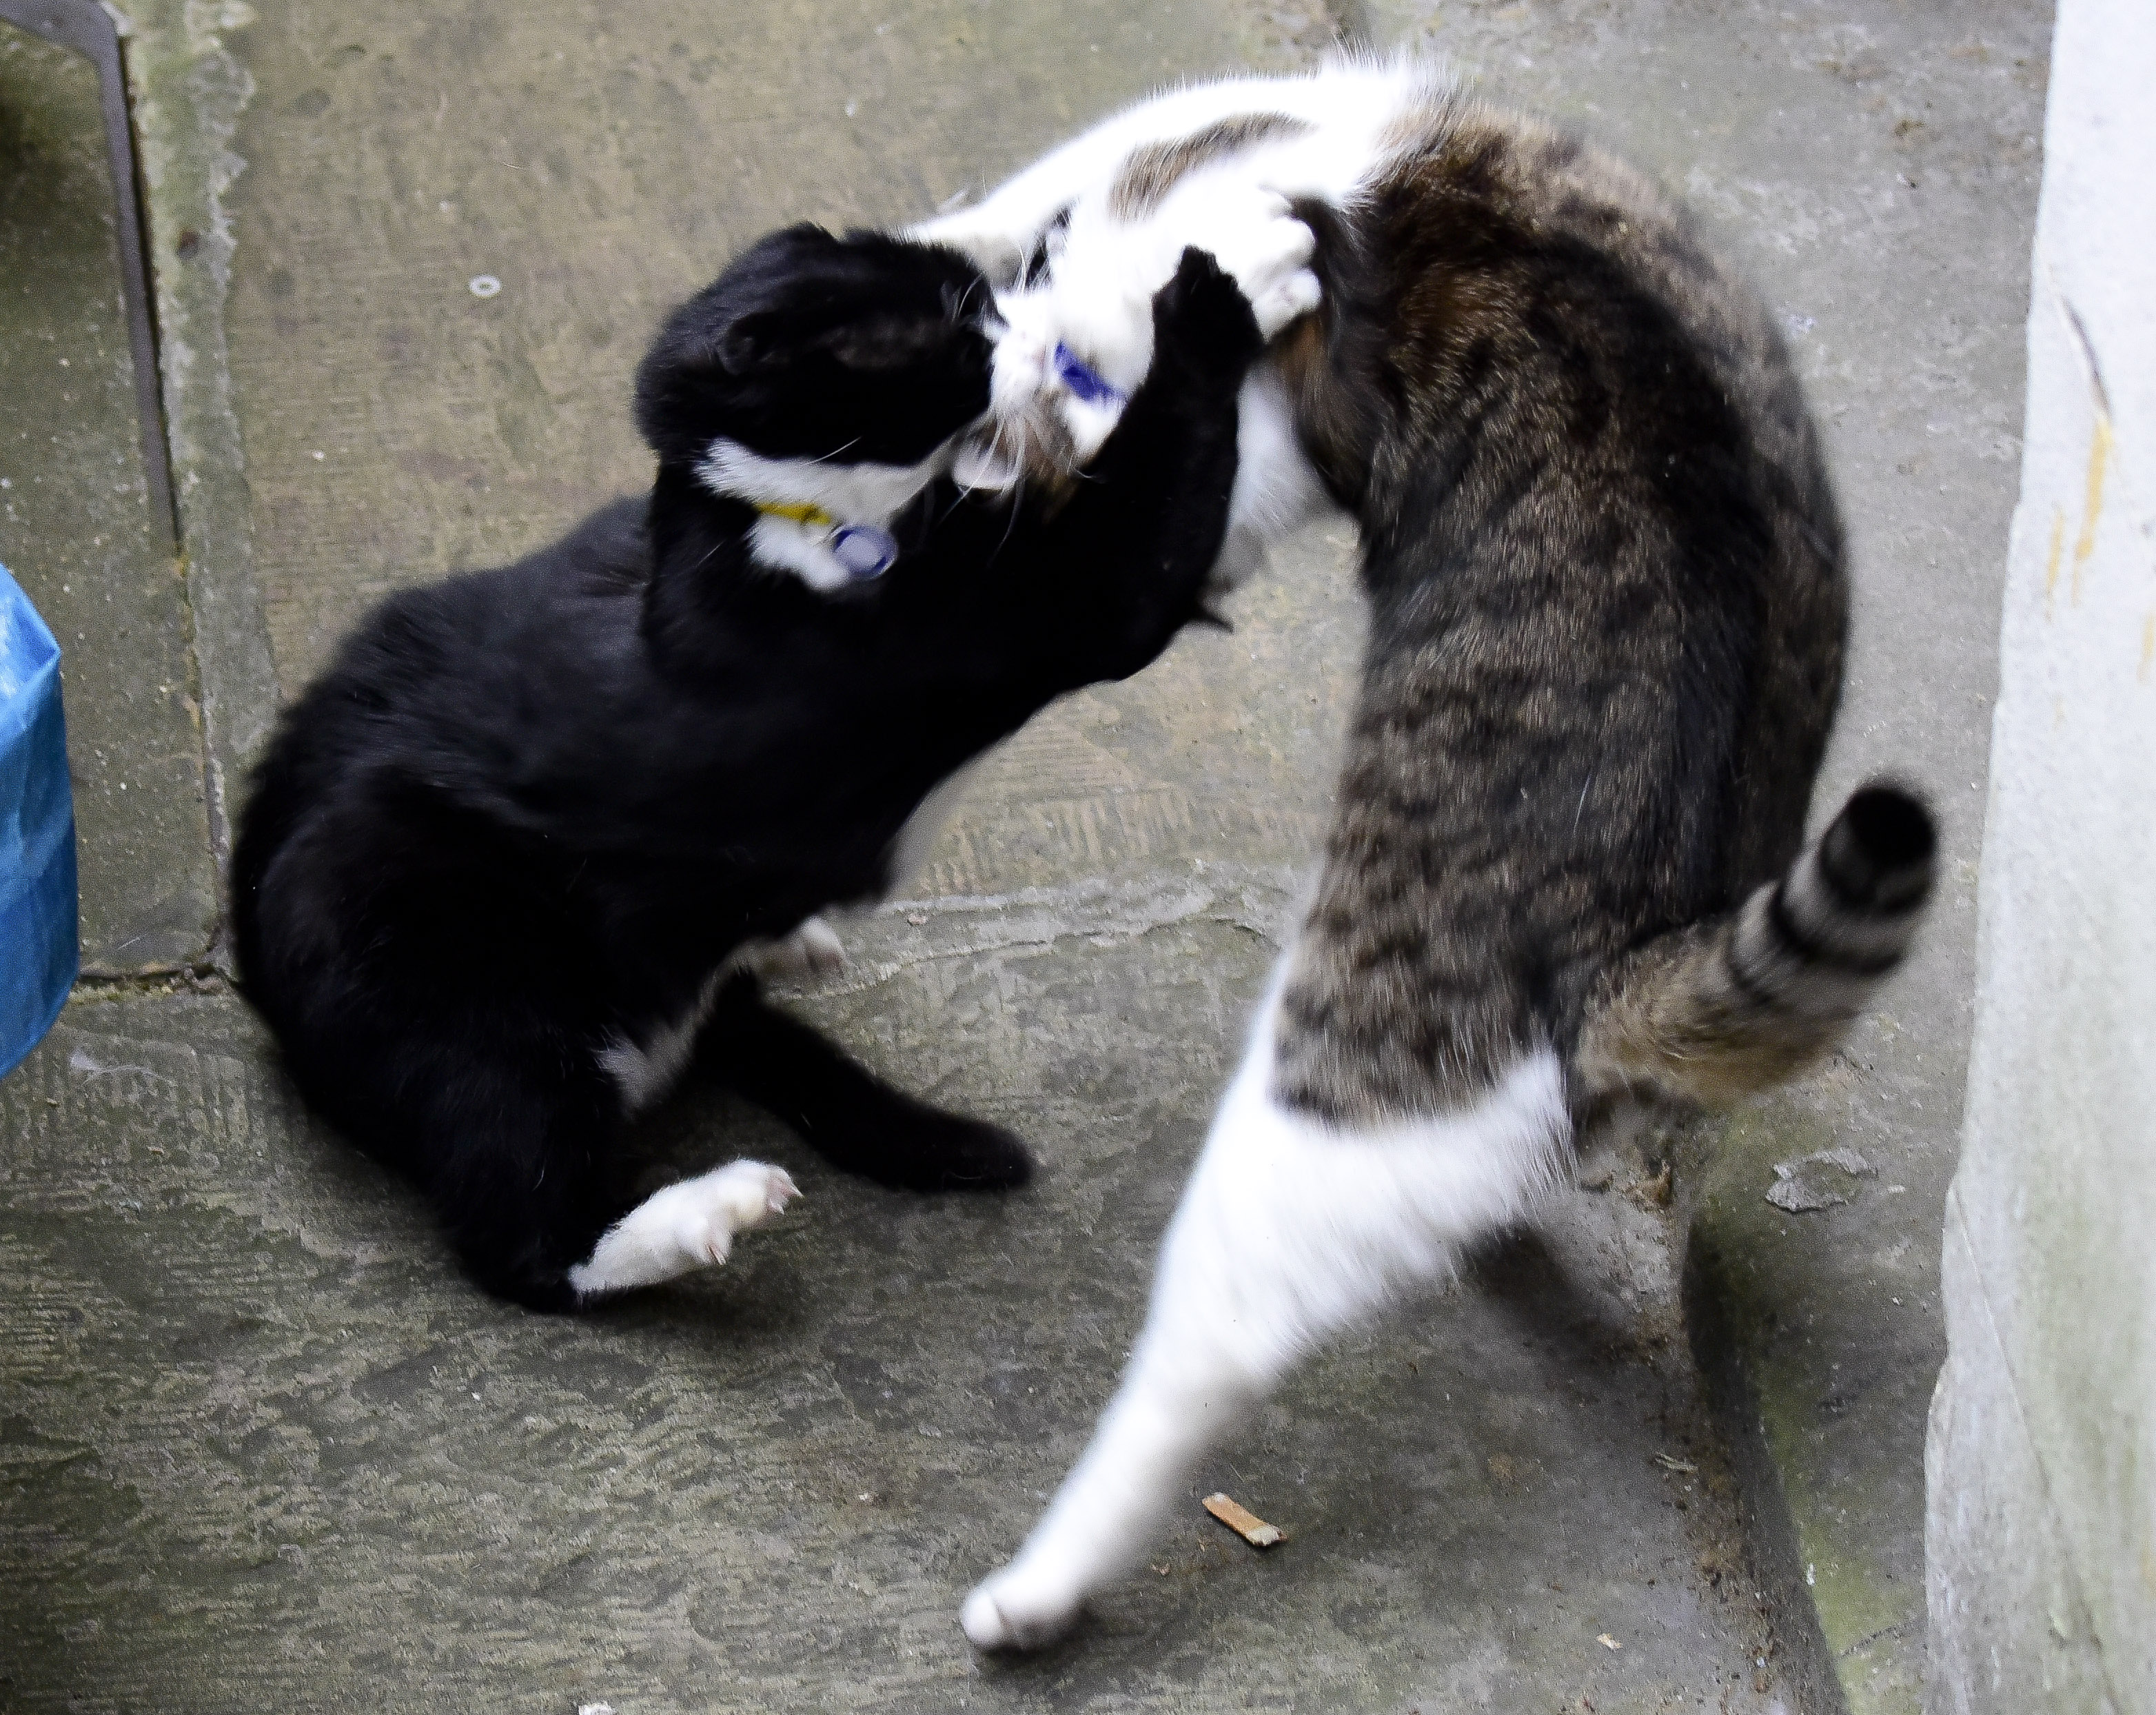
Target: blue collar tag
[(864, 550), (1085, 382)]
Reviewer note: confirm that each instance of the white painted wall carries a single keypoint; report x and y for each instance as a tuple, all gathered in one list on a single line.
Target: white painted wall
[(2041, 1534)]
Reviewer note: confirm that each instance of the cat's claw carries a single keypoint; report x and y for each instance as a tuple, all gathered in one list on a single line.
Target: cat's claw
[(1010, 1611), (735, 1198), (754, 1192)]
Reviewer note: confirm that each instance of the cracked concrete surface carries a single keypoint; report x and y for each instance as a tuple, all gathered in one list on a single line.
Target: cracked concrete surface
[(262, 1449)]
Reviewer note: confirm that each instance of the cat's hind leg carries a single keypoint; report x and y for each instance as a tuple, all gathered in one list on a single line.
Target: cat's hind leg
[(812, 950), (850, 1117), (1291, 1230)]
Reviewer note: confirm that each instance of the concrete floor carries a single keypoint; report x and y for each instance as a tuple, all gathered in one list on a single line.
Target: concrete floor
[(262, 1450)]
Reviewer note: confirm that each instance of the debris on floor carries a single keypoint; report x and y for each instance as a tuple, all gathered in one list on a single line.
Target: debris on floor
[(1803, 1186), (1245, 1523), (1653, 1193)]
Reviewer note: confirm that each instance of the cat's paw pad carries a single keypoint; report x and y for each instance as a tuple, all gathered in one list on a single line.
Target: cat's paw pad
[(1014, 1610)]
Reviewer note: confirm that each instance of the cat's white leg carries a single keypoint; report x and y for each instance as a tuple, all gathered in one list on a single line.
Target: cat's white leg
[(814, 949), (1291, 1230), (688, 1225), (999, 230), (1250, 233)]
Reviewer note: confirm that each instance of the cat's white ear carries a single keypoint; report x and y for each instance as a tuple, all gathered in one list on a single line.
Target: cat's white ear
[(983, 466)]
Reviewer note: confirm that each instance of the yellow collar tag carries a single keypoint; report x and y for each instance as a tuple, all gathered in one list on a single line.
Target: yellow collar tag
[(804, 512)]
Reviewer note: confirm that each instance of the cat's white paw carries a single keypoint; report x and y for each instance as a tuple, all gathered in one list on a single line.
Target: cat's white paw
[(748, 1193), (1286, 301), (1254, 238), (687, 1226), (1020, 1608), (978, 232), (704, 1214), (814, 949)]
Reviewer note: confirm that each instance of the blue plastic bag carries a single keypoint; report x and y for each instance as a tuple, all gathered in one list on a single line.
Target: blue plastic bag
[(39, 954)]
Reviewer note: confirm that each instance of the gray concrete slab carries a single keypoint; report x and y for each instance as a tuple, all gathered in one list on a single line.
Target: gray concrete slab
[(76, 529), (1874, 169), (262, 1449)]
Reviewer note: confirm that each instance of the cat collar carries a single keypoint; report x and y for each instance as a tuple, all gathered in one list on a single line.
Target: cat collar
[(1085, 381), (862, 550)]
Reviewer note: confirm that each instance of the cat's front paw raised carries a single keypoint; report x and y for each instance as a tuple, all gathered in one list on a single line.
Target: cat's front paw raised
[(1269, 253), (1201, 318), (1019, 1609)]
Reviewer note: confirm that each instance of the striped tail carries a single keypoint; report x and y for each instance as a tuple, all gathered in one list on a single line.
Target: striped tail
[(1708, 1014)]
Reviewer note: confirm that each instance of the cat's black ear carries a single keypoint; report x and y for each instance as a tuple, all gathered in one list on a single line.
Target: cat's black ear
[(755, 344)]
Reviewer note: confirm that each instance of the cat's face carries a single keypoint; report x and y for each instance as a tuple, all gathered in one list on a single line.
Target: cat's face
[(832, 372), (1076, 337)]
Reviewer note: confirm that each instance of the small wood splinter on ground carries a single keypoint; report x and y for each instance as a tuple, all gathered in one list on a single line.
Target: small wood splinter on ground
[(1245, 1523)]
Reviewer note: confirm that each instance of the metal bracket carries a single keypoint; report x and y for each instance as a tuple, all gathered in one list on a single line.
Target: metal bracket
[(94, 32)]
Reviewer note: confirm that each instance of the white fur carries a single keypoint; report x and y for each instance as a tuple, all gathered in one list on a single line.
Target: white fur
[(1347, 104), (690, 1225), (1098, 300), (1105, 268), (812, 950), (1288, 1232), (644, 1071), (1275, 487), (852, 494)]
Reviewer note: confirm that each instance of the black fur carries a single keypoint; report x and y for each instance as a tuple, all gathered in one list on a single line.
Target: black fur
[(530, 812)]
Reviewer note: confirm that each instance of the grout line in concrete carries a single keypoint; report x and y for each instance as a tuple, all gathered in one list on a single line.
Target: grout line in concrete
[(189, 92)]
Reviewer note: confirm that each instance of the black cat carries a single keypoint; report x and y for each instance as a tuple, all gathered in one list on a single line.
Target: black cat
[(502, 859)]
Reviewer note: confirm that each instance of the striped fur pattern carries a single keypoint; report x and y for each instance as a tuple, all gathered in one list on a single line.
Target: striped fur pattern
[(1717, 1012), (1608, 602)]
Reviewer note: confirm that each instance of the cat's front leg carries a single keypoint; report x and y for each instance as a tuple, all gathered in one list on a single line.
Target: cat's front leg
[(688, 1225), (1002, 230), (1255, 237)]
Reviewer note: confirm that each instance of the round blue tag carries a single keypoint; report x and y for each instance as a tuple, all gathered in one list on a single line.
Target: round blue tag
[(864, 550)]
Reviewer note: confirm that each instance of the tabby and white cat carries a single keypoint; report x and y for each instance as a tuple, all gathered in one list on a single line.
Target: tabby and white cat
[(1568, 871)]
